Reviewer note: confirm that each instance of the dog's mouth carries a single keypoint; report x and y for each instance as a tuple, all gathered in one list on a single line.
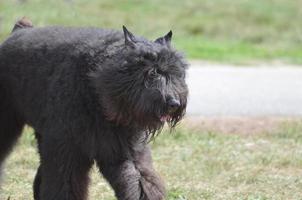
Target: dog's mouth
[(167, 117), (164, 118)]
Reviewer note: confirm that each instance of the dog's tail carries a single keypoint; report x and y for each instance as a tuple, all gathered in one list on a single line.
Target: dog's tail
[(22, 23)]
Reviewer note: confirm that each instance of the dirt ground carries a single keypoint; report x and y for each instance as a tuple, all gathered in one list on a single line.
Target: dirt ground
[(238, 125)]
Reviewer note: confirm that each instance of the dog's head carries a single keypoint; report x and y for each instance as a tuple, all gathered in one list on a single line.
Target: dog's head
[(145, 83)]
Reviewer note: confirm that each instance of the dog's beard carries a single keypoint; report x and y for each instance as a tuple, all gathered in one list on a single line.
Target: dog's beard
[(154, 126), (149, 123)]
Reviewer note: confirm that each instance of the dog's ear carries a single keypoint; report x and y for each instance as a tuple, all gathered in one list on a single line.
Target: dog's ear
[(165, 40), (129, 37)]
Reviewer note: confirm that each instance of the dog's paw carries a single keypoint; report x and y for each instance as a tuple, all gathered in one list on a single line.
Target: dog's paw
[(153, 188)]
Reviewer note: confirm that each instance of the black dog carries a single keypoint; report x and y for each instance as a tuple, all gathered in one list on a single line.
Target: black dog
[(91, 95)]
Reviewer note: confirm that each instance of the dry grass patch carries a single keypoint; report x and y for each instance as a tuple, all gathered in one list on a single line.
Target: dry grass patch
[(196, 164)]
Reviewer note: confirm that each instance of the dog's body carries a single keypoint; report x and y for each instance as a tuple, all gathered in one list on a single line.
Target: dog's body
[(90, 95)]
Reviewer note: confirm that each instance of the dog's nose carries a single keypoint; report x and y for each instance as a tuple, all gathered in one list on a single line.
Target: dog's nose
[(173, 105)]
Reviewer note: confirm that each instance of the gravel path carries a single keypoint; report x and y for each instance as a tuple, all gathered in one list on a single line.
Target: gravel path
[(262, 90)]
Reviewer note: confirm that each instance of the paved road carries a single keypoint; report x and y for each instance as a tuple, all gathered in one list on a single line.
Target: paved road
[(220, 91)]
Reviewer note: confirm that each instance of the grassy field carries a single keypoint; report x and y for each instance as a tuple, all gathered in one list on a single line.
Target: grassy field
[(197, 165), (237, 31)]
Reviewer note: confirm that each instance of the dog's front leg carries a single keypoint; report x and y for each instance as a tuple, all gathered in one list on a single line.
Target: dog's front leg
[(135, 178), (152, 185)]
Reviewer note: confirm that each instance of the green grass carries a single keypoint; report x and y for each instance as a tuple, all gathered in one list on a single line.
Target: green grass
[(237, 31), (196, 165)]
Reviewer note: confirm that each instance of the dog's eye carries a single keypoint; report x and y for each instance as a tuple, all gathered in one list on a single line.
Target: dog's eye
[(150, 56)]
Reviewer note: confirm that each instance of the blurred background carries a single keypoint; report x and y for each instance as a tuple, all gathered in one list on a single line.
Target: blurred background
[(242, 136), (220, 30)]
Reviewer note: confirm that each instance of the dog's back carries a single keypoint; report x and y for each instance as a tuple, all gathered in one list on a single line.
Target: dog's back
[(41, 71), (33, 60)]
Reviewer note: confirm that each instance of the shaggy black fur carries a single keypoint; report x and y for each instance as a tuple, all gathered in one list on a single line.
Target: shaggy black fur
[(91, 95)]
